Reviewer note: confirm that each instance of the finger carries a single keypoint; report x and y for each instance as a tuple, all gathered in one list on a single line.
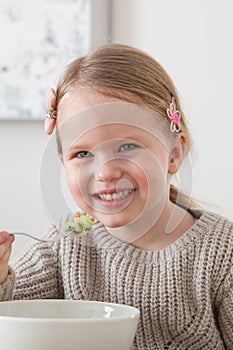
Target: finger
[(6, 245), (3, 273), (50, 99), (4, 236), (5, 258)]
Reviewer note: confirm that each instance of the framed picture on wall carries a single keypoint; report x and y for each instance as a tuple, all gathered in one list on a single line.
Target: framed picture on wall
[(38, 39)]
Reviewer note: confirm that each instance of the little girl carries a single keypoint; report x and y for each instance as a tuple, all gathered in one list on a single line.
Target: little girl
[(121, 135)]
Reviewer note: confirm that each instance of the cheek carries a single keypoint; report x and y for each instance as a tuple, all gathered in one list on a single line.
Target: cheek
[(151, 172), (156, 185), (72, 180), (154, 180), (72, 176), (156, 175), (73, 184), (78, 182)]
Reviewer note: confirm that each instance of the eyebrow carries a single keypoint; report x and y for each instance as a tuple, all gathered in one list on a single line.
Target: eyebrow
[(79, 147)]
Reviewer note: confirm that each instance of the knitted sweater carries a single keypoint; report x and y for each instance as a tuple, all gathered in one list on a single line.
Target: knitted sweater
[(184, 292)]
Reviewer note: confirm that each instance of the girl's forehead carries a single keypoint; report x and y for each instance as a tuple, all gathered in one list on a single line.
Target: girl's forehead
[(110, 131), (78, 99), (114, 119)]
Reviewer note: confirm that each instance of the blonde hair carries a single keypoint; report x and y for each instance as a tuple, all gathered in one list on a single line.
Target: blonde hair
[(129, 74)]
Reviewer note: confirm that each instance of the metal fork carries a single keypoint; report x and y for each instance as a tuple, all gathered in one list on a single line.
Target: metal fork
[(51, 239), (79, 225)]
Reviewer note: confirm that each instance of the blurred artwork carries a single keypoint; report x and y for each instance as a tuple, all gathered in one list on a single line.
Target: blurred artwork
[(38, 38)]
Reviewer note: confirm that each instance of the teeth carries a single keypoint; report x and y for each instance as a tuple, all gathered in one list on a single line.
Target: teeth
[(115, 196)]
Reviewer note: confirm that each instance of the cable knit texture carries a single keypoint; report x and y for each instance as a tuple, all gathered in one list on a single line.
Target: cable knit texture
[(184, 292)]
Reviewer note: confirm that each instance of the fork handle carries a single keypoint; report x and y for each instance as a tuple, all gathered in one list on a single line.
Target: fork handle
[(31, 236)]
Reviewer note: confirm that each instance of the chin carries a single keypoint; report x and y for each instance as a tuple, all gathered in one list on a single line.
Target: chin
[(113, 224), (110, 222), (113, 221)]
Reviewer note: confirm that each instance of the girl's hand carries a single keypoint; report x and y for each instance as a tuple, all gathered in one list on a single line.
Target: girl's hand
[(6, 241)]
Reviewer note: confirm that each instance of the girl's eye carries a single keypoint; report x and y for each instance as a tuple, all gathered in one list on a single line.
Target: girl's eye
[(83, 154), (128, 147)]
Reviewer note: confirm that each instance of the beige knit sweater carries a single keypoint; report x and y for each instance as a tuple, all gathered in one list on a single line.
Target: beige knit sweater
[(184, 292)]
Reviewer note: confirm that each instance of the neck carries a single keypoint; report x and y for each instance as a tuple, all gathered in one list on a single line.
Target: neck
[(155, 234)]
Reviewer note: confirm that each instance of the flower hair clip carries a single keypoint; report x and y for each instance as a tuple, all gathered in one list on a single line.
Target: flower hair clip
[(175, 117), (51, 117), (52, 114)]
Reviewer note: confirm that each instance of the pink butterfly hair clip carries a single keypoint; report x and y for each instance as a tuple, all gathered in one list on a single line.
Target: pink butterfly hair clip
[(175, 117)]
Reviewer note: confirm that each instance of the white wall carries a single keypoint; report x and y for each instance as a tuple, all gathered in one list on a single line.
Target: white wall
[(193, 41)]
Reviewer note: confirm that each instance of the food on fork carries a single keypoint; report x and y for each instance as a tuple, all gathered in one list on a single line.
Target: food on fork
[(80, 225)]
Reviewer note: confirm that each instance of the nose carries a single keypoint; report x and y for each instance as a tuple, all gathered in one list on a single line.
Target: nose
[(109, 171)]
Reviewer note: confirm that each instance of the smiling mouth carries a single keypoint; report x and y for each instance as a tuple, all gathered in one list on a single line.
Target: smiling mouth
[(116, 196)]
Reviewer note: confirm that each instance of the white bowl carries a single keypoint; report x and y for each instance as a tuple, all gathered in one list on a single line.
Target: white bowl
[(66, 325)]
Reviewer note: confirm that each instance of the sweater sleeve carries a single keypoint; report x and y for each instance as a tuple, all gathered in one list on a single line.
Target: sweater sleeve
[(37, 273), (7, 287), (225, 311)]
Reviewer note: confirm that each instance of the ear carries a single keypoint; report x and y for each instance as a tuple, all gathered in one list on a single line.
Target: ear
[(178, 153)]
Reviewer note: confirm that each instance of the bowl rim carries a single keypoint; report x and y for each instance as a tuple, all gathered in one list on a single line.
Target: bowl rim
[(135, 312)]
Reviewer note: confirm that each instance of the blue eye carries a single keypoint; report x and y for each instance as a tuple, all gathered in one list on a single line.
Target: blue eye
[(128, 147), (84, 154)]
